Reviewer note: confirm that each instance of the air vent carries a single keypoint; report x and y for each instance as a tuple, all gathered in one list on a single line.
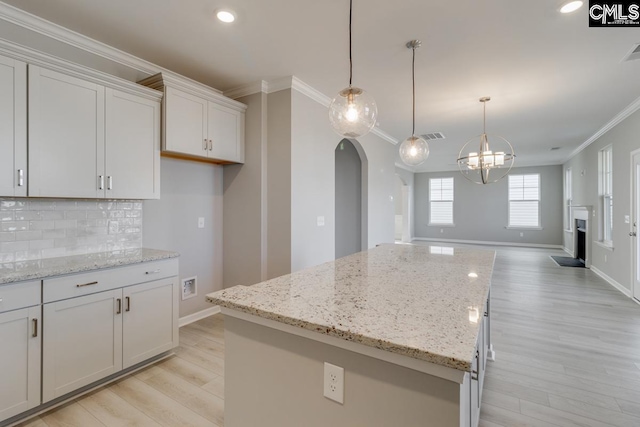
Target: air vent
[(633, 54), (431, 136), (555, 148)]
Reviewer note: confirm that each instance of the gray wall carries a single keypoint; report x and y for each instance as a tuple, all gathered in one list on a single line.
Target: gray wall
[(625, 138), (189, 190), (244, 189), (279, 181), (348, 196), (480, 212), (313, 142)]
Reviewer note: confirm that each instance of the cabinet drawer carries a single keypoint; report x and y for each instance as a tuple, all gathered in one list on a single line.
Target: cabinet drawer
[(75, 285), (19, 295)]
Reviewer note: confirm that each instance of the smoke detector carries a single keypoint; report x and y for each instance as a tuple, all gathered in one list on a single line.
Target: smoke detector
[(432, 136)]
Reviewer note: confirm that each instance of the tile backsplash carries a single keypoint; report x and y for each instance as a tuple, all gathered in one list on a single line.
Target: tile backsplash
[(48, 228)]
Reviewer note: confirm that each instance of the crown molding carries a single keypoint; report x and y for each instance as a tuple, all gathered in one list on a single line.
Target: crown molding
[(160, 81), (54, 31), (405, 167), (246, 90), (629, 110), (34, 57), (292, 82)]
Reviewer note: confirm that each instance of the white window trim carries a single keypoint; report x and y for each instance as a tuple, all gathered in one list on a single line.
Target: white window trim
[(568, 201), (605, 243), (443, 224), (521, 227)]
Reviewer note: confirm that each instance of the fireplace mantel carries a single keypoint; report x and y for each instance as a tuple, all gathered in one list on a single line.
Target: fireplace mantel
[(582, 212)]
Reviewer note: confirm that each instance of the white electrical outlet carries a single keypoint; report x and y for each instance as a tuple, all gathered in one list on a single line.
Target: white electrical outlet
[(201, 222), (320, 221), (626, 219), (189, 287), (334, 382), (521, 234)]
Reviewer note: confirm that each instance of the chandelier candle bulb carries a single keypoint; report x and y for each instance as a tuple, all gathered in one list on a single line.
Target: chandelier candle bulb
[(478, 168)]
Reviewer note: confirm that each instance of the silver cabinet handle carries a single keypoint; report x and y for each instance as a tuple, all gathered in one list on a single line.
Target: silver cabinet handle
[(153, 272), (109, 182), (210, 145), (476, 372), (119, 301), (86, 284), (20, 177), (204, 145), (35, 328), (632, 234), (101, 182), (128, 304)]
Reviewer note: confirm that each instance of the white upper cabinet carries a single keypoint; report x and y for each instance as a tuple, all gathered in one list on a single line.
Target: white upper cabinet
[(66, 135), (185, 123), (226, 133), (13, 127), (88, 140), (132, 146), (199, 122)]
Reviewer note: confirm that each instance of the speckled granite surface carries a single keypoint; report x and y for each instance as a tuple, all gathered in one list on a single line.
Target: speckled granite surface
[(418, 301), (37, 269)]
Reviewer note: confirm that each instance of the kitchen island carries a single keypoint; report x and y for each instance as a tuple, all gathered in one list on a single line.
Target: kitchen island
[(408, 324)]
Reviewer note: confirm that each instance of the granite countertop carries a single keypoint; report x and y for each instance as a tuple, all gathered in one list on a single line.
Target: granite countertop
[(423, 302), (38, 269)]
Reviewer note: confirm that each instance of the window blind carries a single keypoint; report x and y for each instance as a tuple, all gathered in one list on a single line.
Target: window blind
[(524, 200), (441, 201)]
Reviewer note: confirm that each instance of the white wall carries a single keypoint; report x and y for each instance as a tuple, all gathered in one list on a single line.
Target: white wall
[(189, 190), (480, 212), (408, 179), (348, 199), (625, 138)]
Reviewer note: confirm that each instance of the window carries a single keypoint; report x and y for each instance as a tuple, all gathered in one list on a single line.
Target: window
[(524, 201), (441, 201), (567, 200), (606, 194)]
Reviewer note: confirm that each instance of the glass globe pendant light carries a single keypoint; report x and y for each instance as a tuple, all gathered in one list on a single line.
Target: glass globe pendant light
[(353, 111), (488, 164), (414, 150)]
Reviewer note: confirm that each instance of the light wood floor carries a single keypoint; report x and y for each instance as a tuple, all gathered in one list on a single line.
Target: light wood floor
[(567, 344)]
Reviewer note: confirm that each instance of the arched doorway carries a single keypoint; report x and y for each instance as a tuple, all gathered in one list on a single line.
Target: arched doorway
[(350, 199)]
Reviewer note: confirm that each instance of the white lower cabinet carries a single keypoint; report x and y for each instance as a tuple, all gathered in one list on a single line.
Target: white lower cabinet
[(82, 342), (150, 314), (90, 337), (20, 348)]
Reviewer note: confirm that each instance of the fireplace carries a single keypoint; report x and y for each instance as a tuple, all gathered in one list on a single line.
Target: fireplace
[(580, 216), (581, 239)]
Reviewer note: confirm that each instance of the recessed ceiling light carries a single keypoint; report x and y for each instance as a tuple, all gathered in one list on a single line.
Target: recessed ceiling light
[(571, 6), (226, 15)]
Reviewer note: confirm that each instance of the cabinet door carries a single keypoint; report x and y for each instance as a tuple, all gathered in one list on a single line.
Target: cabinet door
[(13, 127), (475, 389), (66, 135), (150, 324), (82, 342), (132, 146), (185, 123), (226, 133), (19, 361)]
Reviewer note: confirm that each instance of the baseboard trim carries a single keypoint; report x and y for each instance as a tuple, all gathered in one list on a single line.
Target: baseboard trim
[(611, 281), (184, 321), (482, 242)]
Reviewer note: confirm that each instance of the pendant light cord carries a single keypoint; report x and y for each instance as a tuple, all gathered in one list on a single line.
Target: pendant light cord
[(484, 118), (350, 55), (413, 80)]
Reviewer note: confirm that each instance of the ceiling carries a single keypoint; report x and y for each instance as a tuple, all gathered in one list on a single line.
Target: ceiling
[(554, 81)]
